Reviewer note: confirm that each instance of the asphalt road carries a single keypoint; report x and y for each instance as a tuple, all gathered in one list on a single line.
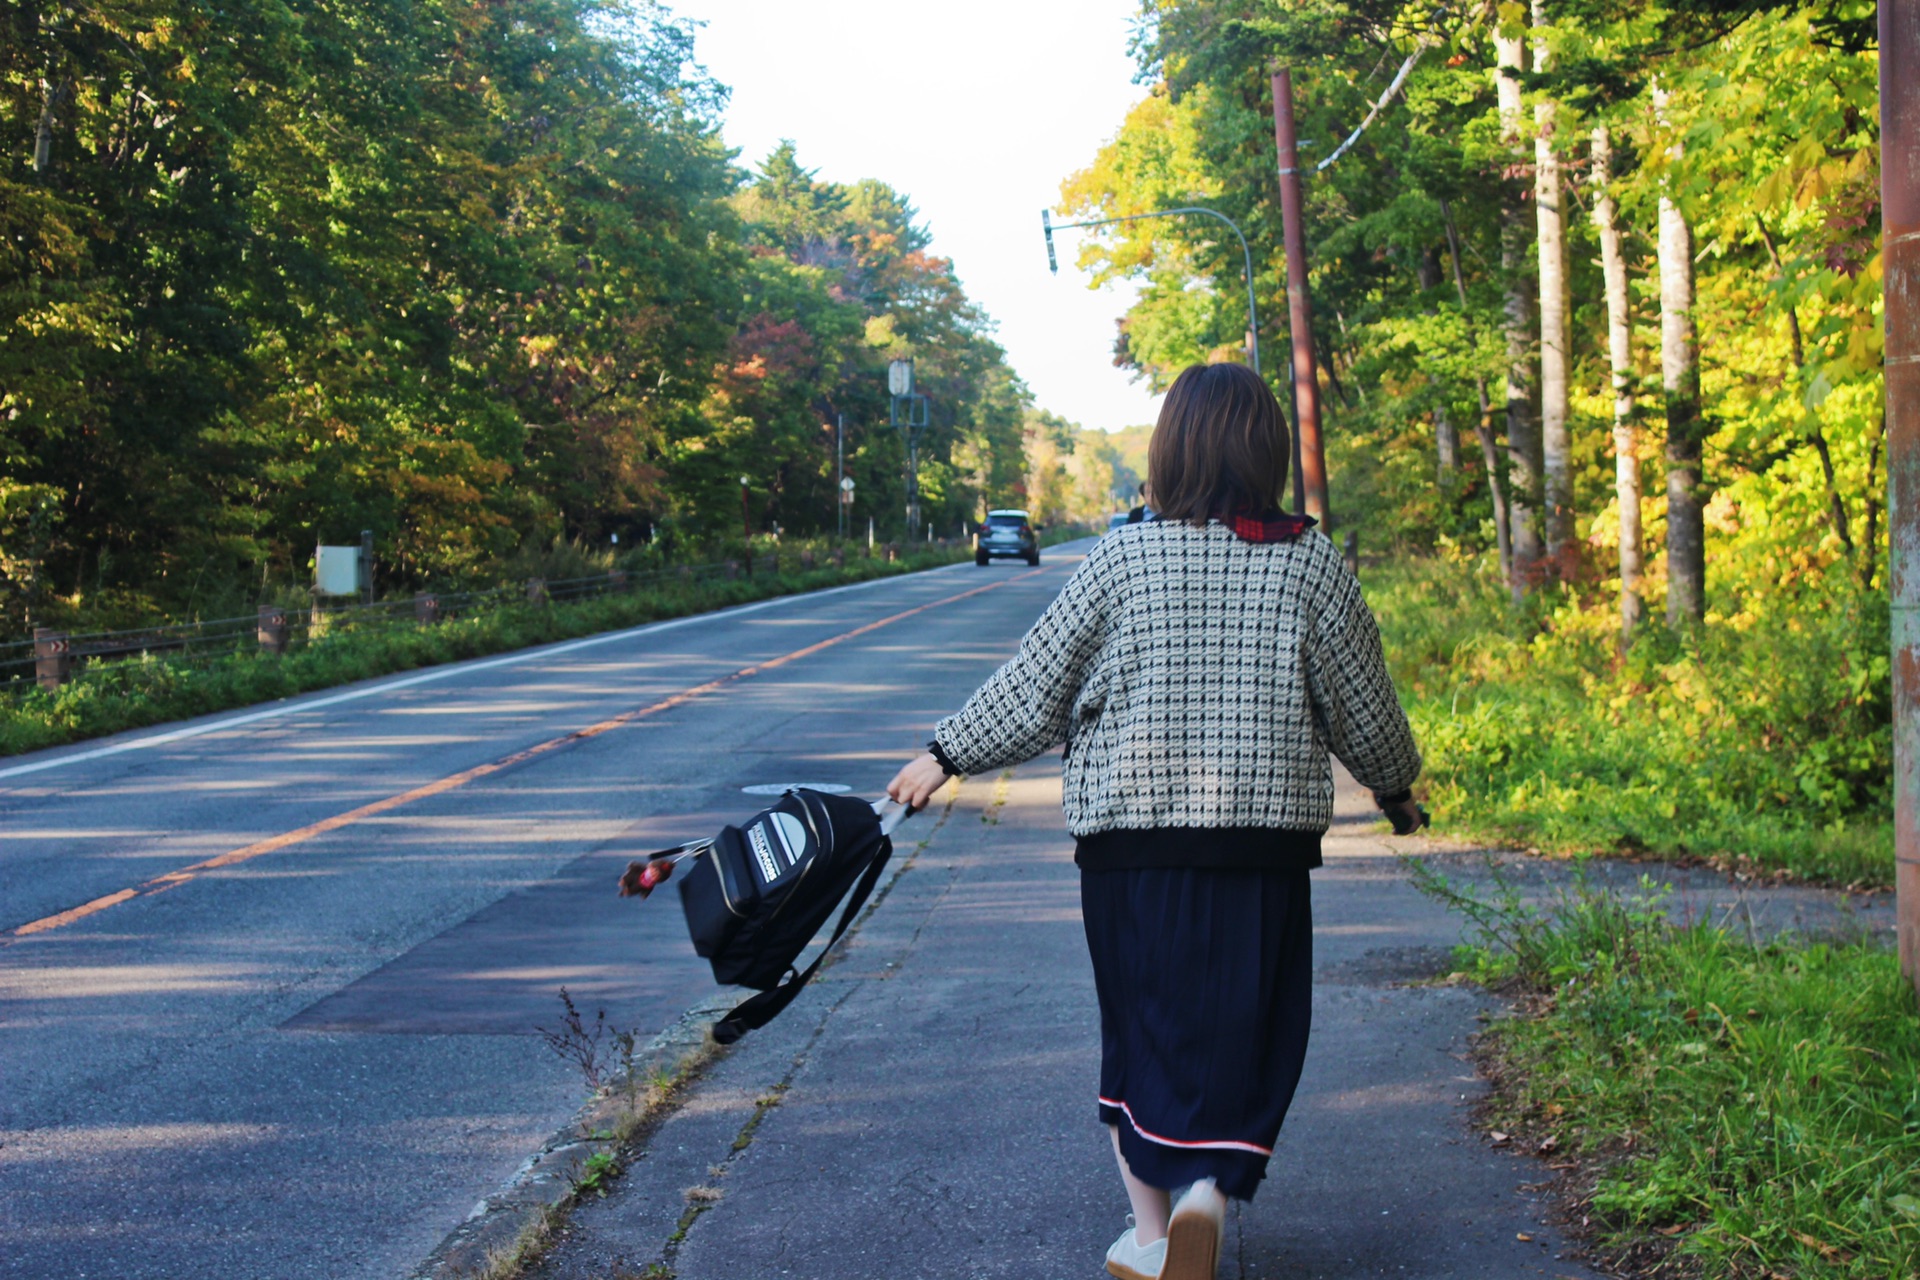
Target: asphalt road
[(311, 1057)]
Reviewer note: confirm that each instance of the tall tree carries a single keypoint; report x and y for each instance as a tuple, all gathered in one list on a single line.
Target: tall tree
[(1555, 354), (1524, 464), (1483, 421), (1626, 434), (1680, 380)]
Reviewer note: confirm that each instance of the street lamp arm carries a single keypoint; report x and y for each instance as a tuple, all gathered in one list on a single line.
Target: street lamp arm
[(1246, 255)]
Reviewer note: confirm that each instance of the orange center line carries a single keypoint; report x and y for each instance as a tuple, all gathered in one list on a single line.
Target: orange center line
[(273, 844)]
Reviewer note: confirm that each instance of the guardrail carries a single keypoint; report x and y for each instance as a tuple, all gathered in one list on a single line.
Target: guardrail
[(51, 657)]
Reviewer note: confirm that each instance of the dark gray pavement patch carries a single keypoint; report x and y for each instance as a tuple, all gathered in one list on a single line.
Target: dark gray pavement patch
[(500, 971)]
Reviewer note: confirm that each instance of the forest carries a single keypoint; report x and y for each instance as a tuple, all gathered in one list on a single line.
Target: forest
[(1598, 334), (1597, 331), (482, 279)]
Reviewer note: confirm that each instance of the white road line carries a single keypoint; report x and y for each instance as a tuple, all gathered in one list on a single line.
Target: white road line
[(447, 673)]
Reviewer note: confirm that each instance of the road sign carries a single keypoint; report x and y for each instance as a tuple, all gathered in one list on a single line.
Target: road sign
[(847, 484), (336, 571), (900, 377)]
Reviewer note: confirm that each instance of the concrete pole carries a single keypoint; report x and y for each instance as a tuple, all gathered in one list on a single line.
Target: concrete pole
[(1312, 454), (1900, 221)]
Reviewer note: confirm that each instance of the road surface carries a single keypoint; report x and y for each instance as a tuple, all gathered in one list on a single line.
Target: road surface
[(269, 982)]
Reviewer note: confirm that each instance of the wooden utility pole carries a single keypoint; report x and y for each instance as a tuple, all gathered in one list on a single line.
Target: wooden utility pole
[(1311, 453), (1900, 228)]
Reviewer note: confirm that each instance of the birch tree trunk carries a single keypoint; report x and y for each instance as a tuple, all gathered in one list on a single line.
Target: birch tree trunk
[(1446, 437), (1523, 432), (52, 93), (1626, 433), (1680, 379), (1550, 216), (1483, 425)]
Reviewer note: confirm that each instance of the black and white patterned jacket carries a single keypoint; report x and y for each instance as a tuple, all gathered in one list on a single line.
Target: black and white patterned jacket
[(1198, 680)]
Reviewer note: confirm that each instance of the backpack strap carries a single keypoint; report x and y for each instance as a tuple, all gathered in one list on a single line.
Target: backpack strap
[(757, 1011)]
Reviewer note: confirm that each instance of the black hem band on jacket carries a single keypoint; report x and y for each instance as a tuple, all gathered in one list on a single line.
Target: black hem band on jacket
[(1216, 848)]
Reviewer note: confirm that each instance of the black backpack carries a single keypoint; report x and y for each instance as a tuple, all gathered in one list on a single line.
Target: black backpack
[(757, 893)]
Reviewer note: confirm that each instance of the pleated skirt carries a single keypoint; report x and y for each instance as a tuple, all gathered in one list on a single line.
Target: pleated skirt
[(1205, 982)]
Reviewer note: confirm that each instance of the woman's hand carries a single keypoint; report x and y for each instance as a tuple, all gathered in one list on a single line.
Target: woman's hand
[(1406, 815), (914, 785)]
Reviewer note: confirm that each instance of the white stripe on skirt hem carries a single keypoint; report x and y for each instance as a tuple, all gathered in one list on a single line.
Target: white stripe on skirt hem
[(1176, 1142)]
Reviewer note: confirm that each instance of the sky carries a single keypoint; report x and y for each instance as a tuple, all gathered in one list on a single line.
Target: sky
[(975, 111)]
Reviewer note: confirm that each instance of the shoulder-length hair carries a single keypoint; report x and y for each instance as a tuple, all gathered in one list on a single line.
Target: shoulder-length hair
[(1220, 447)]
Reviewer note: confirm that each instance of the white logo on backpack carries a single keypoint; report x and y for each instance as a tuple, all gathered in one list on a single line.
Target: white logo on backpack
[(762, 853)]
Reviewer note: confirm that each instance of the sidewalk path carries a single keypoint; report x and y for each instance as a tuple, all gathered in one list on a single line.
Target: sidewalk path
[(927, 1109)]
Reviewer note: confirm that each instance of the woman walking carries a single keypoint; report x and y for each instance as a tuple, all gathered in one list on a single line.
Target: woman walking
[(1198, 668)]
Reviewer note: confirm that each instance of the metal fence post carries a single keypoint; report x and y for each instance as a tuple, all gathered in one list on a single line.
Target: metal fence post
[(536, 590), (52, 657), (616, 580), (426, 609), (272, 629)]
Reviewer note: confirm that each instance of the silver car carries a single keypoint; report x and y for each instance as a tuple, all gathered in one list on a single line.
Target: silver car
[(1005, 535)]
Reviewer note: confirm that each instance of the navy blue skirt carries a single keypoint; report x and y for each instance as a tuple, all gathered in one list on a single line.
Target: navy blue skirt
[(1205, 980)]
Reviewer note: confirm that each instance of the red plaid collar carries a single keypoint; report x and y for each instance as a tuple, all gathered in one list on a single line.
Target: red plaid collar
[(1275, 526)]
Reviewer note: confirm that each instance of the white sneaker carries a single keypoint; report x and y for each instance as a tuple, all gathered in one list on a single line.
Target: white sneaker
[(1194, 1233), (1131, 1260)]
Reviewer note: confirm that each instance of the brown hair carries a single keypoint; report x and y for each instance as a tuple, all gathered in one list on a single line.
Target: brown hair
[(1220, 447)]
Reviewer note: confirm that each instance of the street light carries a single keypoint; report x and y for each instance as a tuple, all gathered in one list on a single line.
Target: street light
[(1048, 225), (746, 519)]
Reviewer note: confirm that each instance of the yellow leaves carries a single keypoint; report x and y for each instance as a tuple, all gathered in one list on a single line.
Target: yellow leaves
[(881, 334)]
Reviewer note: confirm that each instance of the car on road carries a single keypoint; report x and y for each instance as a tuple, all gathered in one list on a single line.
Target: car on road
[(1118, 520), (1005, 535)]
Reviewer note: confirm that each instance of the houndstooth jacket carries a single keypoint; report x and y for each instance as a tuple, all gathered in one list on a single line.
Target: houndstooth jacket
[(1198, 680)]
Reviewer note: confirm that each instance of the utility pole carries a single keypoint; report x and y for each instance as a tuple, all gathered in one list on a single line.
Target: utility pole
[(1900, 229), (908, 412), (840, 475), (1310, 465)]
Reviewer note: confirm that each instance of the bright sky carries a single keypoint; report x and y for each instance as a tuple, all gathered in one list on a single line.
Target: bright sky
[(976, 111)]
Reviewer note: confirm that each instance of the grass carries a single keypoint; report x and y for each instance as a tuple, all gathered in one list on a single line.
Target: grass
[(113, 697), (1760, 741), (1732, 1107)]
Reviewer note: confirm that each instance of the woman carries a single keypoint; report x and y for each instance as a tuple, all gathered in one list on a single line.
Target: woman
[(1198, 667)]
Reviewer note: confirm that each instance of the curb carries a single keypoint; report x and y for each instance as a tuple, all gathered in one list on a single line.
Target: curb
[(497, 1229)]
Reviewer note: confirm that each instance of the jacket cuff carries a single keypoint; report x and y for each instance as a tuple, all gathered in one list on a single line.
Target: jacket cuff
[(946, 761)]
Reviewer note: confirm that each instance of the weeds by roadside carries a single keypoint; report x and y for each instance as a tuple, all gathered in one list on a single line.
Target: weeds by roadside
[(113, 697), (1761, 741), (1732, 1107)]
